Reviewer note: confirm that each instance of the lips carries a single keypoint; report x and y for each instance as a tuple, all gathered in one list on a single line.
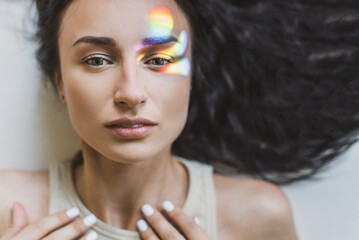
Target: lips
[(127, 122), (131, 128), (128, 125)]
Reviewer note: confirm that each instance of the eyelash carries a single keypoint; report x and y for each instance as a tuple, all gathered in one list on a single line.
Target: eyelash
[(153, 57), (146, 61), (95, 57)]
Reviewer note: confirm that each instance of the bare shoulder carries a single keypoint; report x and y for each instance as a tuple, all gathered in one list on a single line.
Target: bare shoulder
[(28, 188), (252, 209)]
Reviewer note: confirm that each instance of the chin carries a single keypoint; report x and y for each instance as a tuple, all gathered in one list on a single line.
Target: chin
[(132, 152)]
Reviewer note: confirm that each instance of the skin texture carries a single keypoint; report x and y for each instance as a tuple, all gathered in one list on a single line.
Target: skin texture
[(95, 96), (122, 87)]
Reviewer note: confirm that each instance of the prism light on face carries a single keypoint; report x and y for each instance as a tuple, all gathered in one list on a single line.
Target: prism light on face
[(181, 67), (160, 20), (180, 47), (177, 50)]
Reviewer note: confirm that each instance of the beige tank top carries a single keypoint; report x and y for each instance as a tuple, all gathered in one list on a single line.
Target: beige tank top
[(200, 199)]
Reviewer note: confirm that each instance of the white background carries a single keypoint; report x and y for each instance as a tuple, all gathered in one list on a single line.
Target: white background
[(35, 129)]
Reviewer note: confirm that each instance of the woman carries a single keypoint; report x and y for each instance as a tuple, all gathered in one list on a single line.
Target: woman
[(123, 69), (124, 75)]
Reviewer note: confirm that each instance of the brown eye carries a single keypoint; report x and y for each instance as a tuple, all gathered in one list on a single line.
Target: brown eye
[(96, 61), (158, 62)]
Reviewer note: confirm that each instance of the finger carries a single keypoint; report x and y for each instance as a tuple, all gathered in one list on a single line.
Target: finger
[(48, 224), (90, 235), (159, 223), (73, 229), (19, 220), (145, 231), (187, 224)]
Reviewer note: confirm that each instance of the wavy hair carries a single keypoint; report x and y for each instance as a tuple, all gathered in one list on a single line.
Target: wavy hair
[(275, 86)]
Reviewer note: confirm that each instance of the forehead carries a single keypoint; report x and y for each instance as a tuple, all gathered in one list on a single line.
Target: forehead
[(124, 20)]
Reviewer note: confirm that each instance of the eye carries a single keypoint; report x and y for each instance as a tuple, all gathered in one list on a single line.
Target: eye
[(158, 61), (96, 61)]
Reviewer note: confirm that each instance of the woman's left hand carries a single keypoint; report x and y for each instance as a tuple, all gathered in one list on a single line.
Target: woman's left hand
[(156, 226)]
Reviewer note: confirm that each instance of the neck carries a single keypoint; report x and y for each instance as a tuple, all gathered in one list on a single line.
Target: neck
[(115, 191)]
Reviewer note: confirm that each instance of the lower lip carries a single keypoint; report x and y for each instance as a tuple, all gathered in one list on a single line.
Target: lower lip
[(132, 133)]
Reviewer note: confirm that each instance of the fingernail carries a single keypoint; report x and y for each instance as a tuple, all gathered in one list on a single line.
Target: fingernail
[(147, 210), (196, 219), (142, 225), (168, 206), (89, 220), (73, 212), (92, 235)]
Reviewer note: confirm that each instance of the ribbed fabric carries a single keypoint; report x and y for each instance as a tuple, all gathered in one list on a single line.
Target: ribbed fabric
[(200, 201)]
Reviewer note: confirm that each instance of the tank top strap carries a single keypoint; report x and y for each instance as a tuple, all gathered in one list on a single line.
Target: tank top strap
[(201, 201), (57, 198)]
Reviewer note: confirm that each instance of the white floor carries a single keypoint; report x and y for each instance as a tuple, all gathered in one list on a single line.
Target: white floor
[(327, 209)]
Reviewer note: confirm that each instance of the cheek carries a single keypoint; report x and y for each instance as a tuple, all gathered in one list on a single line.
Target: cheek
[(178, 101), (85, 97), (173, 99)]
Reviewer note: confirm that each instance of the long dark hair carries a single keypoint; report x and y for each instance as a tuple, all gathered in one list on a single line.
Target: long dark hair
[(275, 89)]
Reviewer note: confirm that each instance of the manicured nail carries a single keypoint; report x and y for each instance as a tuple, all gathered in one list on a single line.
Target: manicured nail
[(147, 210), (196, 219), (142, 225), (168, 206), (73, 212), (92, 235), (89, 220)]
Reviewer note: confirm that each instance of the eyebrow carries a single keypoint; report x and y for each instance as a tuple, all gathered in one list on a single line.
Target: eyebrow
[(150, 41), (159, 40), (96, 40)]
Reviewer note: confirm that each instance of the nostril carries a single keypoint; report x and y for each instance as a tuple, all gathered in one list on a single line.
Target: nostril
[(130, 101)]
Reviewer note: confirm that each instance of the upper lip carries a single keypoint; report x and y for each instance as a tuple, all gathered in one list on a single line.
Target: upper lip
[(130, 121)]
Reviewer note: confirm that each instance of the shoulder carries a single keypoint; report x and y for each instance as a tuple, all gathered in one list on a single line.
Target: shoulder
[(253, 209), (28, 188), (17, 183)]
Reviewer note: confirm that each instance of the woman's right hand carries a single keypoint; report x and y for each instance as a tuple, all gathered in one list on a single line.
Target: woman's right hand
[(62, 225)]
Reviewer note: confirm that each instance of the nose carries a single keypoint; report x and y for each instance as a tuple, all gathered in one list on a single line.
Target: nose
[(129, 89)]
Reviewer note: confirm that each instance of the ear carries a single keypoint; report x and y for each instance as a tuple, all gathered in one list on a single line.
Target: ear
[(60, 86)]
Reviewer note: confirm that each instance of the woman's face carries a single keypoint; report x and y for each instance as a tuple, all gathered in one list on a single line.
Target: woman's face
[(128, 59)]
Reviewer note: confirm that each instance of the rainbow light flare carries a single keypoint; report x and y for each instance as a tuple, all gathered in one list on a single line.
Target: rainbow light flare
[(182, 67), (160, 20), (177, 50), (161, 24), (180, 47)]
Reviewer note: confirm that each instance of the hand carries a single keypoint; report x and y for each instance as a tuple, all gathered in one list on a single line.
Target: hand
[(160, 228), (61, 225)]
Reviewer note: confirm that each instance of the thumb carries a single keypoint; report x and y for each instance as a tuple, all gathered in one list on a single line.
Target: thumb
[(19, 220), (19, 217)]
